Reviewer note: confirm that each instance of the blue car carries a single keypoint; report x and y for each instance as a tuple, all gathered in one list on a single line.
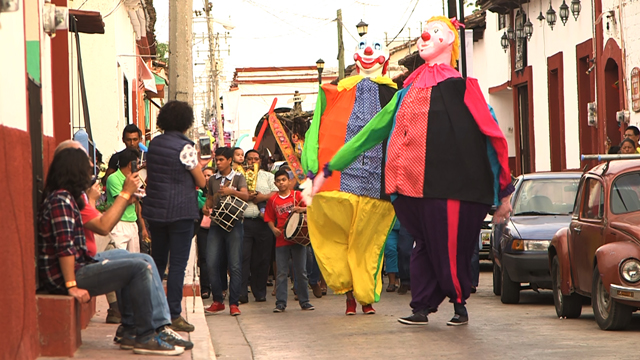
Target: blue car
[(542, 204)]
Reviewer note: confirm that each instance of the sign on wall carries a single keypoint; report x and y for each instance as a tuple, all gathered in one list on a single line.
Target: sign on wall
[(635, 89)]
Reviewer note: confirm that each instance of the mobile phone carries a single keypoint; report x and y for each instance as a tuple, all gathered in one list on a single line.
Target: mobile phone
[(205, 147), (134, 166)]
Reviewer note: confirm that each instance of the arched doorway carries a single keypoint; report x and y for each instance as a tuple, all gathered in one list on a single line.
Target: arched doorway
[(612, 102)]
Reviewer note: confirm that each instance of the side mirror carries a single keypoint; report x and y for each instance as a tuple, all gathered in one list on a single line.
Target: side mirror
[(493, 210)]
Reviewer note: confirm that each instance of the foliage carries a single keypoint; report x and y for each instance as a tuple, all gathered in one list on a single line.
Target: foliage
[(162, 50)]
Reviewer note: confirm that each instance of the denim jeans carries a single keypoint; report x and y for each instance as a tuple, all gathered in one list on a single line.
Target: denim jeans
[(475, 266), (160, 308), (220, 240), (391, 252), (298, 254), (172, 242), (134, 278), (313, 270), (405, 245)]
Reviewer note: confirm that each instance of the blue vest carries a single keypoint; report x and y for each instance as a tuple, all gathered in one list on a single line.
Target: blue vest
[(171, 190)]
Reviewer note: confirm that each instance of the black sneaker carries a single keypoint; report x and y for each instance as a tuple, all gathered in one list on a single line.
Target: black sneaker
[(417, 318), (127, 342), (127, 337), (307, 306), (474, 289), (119, 333), (279, 308), (458, 320), (174, 338), (243, 299), (154, 345)]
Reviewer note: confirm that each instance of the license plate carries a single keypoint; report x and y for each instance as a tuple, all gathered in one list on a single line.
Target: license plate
[(486, 238)]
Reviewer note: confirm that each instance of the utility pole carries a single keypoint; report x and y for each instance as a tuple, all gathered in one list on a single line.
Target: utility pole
[(213, 68), (341, 47), (462, 64), (180, 57)]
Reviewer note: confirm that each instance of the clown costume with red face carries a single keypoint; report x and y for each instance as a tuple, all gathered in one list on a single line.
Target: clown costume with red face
[(351, 216), (441, 192)]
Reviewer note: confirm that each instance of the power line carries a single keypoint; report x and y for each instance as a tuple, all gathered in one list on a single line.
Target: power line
[(405, 24)]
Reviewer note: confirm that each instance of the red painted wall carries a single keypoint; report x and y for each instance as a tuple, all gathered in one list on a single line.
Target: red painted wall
[(17, 266)]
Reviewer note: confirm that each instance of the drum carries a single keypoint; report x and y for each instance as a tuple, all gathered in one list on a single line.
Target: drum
[(295, 229), (230, 209)]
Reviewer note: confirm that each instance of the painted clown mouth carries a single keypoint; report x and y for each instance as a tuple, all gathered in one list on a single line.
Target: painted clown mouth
[(369, 62)]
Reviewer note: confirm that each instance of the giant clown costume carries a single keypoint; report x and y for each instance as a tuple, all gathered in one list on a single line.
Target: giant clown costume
[(351, 216), (446, 163)]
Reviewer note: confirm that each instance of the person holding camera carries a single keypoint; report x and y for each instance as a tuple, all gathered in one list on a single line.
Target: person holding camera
[(125, 234), (171, 204)]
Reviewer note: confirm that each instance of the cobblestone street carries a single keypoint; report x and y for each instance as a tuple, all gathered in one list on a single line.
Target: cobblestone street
[(529, 330)]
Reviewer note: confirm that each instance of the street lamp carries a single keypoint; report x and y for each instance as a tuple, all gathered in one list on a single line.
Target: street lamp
[(528, 29), (551, 16), (511, 35), (540, 17), (320, 67), (504, 41), (520, 31), (575, 8), (564, 12), (362, 27)]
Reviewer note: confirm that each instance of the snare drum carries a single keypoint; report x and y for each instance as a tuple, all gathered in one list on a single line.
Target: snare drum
[(295, 229), (229, 210)]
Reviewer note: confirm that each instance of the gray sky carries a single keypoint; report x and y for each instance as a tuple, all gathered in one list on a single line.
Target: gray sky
[(290, 32)]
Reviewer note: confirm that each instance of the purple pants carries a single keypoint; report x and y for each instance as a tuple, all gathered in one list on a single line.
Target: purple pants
[(445, 233)]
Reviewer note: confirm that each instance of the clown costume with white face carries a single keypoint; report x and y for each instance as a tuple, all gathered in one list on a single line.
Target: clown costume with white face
[(351, 261), (371, 57), (442, 191)]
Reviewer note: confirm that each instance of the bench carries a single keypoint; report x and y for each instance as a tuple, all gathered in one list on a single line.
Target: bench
[(60, 319)]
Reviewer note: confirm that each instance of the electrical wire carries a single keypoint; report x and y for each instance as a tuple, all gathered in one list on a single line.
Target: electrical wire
[(114, 9), (80, 7), (405, 24)]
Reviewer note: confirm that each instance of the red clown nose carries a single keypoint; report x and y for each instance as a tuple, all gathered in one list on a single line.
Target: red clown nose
[(425, 36), (368, 51)]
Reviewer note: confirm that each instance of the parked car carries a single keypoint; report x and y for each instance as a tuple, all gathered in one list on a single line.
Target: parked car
[(485, 237), (598, 254), (542, 203)]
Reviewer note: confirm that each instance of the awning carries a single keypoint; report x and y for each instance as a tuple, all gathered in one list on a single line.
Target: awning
[(148, 77), (89, 22), (159, 80)]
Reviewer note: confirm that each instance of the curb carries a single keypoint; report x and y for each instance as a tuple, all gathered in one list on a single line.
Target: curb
[(201, 338)]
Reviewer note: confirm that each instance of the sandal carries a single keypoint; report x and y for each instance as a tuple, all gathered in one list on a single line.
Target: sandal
[(392, 287)]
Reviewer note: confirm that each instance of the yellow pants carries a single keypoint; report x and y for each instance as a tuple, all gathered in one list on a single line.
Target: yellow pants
[(348, 233)]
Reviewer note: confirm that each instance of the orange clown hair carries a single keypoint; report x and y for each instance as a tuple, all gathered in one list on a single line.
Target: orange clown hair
[(455, 47)]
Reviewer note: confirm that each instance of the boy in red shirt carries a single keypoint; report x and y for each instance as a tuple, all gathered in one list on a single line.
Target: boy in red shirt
[(276, 214)]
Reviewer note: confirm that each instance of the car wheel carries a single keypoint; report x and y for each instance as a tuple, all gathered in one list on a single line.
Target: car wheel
[(567, 306), (509, 291), (609, 314), (497, 284)]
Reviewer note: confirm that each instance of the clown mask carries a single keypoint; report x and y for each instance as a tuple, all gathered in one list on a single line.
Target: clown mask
[(371, 57), (435, 43)]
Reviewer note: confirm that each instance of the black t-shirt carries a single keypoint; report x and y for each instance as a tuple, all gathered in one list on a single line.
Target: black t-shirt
[(114, 162)]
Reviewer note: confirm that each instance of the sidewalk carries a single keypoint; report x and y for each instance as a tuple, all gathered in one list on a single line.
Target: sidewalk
[(97, 338)]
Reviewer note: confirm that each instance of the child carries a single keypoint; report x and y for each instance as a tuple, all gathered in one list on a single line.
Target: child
[(276, 213), (238, 157), (222, 243)]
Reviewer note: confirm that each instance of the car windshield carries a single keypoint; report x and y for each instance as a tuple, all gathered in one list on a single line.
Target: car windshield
[(546, 197), (624, 194)]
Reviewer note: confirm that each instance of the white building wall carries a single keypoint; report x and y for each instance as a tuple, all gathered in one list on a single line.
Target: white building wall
[(13, 99), (255, 100), (543, 44), (106, 59)]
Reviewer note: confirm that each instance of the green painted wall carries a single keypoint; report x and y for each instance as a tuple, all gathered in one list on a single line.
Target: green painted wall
[(33, 59)]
